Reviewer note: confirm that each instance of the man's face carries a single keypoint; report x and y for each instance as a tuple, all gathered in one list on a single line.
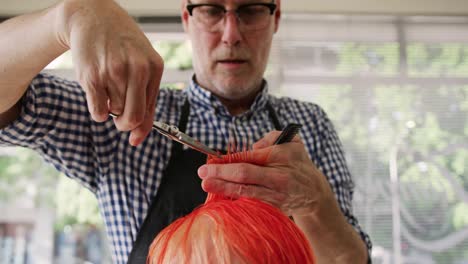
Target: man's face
[(231, 60)]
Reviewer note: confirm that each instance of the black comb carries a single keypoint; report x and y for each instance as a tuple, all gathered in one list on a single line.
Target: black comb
[(288, 133)]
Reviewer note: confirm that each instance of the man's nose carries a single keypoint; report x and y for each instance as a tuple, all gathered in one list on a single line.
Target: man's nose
[(231, 33)]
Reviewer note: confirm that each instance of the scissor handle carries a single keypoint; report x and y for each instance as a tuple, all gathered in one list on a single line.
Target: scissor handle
[(174, 133)]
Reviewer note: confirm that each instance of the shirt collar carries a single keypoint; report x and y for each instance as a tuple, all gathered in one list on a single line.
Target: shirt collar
[(204, 100)]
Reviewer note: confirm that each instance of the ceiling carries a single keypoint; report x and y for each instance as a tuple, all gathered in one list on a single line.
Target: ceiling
[(171, 8)]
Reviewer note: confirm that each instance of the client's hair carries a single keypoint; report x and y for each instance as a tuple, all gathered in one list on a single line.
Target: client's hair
[(227, 230)]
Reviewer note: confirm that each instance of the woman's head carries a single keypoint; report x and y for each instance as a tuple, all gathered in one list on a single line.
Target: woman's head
[(224, 230), (227, 230)]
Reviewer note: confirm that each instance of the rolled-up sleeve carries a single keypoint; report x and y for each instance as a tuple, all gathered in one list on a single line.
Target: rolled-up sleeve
[(55, 122)]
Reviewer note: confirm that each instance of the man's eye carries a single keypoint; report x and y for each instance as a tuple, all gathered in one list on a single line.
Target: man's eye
[(253, 10), (211, 11)]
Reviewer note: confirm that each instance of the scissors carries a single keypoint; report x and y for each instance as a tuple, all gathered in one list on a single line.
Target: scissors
[(173, 133)]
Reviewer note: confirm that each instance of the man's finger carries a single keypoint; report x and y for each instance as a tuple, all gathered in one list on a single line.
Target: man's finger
[(140, 133), (117, 78), (236, 190), (267, 140), (135, 102), (154, 83), (245, 173), (152, 91), (96, 96)]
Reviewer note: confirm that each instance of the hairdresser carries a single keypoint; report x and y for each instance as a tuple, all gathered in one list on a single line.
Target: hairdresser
[(143, 180)]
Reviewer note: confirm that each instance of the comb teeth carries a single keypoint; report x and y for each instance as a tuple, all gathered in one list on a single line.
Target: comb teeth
[(234, 157), (238, 151), (241, 151)]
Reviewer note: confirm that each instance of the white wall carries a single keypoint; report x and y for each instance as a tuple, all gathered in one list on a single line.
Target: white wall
[(171, 7)]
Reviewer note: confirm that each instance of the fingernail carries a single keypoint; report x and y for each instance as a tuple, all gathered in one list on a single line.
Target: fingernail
[(202, 171), (134, 140)]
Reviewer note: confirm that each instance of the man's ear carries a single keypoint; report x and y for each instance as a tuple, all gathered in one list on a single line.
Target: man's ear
[(277, 15), (184, 15)]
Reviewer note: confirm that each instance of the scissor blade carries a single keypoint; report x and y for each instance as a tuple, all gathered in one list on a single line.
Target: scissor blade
[(173, 133), (197, 145)]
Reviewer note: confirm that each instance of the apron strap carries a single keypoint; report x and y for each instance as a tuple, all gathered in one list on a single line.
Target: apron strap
[(159, 214), (156, 217), (273, 116)]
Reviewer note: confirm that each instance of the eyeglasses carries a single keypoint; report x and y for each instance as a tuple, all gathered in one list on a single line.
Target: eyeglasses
[(254, 16)]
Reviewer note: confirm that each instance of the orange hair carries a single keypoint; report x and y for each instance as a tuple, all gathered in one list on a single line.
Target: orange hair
[(227, 230)]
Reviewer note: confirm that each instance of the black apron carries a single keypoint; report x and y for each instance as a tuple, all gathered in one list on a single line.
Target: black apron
[(179, 191)]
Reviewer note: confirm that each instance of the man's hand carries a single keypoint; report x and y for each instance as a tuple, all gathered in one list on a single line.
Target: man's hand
[(115, 63), (287, 178)]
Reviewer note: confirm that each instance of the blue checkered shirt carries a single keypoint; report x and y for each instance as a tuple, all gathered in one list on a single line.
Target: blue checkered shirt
[(55, 122)]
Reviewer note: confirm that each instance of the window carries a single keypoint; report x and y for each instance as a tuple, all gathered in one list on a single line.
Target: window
[(396, 89), (397, 92)]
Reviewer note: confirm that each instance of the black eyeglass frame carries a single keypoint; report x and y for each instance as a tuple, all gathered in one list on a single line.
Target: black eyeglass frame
[(271, 6)]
